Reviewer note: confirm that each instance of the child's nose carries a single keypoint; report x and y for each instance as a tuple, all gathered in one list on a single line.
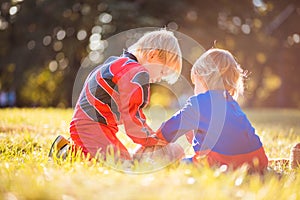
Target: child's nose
[(155, 80), (158, 79)]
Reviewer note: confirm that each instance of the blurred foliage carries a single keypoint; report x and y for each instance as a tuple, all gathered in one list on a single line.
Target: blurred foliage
[(45, 85), (44, 42)]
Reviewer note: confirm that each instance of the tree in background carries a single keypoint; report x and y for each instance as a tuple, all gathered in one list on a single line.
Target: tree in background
[(43, 43)]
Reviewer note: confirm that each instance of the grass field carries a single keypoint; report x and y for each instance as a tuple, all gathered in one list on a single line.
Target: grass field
[(26, 173)]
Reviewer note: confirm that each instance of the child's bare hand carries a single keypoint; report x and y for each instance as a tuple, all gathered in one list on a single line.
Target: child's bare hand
[(154, 140), (161, 142)]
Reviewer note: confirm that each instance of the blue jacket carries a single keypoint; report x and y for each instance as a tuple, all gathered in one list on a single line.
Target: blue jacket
[(218, 122)]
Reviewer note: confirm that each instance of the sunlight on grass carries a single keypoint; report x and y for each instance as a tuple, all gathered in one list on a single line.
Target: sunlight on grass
[(26, 172)]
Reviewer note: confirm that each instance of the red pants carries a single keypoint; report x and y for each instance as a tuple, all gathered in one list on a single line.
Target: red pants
[(94, 138), (256, 160)]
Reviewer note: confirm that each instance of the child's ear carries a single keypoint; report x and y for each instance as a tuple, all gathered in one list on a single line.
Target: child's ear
[(152, 55), (193, 77)]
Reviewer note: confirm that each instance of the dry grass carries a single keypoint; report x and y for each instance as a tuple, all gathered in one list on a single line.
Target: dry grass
[(26, 173)]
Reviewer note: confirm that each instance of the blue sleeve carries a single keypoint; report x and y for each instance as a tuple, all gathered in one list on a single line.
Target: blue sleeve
[(182, 121)]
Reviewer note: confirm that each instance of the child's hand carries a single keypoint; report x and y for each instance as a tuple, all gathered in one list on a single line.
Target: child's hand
[(170, 152), (161, 138), (154, 140), (162, 142)]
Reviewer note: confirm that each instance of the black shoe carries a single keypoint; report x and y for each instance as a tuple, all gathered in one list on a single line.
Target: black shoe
[(60, 146)]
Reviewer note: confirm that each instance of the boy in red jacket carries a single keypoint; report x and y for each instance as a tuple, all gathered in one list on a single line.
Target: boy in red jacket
[(115, 93)]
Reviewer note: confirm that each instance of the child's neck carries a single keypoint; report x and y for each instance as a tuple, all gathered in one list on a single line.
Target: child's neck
[(199, 89)]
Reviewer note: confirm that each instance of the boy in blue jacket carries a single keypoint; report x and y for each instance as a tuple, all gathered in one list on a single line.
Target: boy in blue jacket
[(221, 131)]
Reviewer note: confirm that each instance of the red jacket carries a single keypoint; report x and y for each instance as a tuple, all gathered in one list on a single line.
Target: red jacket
[(114, 93)]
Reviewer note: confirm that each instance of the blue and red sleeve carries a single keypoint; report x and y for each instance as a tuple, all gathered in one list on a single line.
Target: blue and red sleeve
[(181, 122)]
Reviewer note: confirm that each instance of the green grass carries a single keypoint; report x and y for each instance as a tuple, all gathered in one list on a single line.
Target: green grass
[(26, 173)]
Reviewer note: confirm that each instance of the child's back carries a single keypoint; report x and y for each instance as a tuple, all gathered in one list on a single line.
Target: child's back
[(222, 131), (230, 138)]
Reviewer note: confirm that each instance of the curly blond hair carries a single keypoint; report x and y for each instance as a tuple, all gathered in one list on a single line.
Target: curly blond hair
[(169, 52), (220, 70)]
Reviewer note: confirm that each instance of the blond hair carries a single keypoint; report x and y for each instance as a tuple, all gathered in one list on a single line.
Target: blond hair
[(168, 49), (219, 69)]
